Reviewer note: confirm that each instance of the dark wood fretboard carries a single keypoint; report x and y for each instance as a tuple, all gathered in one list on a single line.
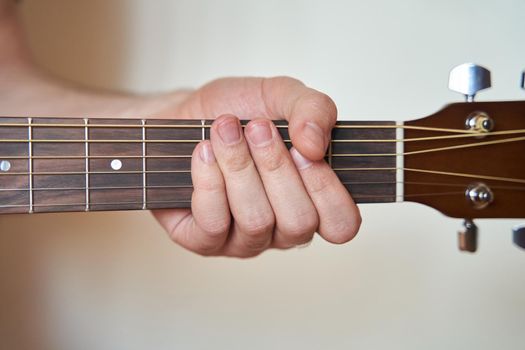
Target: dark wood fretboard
[(55, 165)]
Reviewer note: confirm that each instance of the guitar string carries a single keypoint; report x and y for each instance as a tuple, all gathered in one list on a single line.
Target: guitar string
[(465, 133), (188, 202), (351, 169), (189, 186), (429, 150), (414, 139), (208, 126), (117, 172), (348, 169)]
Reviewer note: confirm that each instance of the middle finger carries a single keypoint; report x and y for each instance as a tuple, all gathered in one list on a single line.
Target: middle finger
[(251, 210)]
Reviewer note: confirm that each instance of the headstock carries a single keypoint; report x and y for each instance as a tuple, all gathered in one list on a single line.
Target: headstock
[(468, 160)]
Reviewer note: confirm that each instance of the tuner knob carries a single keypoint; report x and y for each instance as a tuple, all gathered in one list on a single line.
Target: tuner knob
[(468, 79), (468, 237), (518, 235)]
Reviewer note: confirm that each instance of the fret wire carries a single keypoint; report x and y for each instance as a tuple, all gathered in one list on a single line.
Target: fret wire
[(330, 153), (203, 130), (400, 163), (183, 126), (86, 150), (30, 163), (144, 193), (415, 139)]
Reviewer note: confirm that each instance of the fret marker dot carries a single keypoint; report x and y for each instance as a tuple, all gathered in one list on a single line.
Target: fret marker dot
[(5, 165), (116, 164)]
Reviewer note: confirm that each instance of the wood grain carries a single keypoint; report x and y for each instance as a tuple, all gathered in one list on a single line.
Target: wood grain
[(447, 193)]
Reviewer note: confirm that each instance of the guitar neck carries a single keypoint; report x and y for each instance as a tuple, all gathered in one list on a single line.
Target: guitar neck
[(76, 164)]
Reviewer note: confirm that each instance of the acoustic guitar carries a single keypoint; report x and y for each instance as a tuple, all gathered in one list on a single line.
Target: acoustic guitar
[(466, 161)]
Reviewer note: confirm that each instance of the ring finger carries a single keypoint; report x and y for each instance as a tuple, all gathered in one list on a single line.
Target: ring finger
[(295, 214)]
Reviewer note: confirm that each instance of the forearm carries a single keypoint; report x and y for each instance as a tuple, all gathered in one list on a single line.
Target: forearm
[(27, 90), (30, 92)]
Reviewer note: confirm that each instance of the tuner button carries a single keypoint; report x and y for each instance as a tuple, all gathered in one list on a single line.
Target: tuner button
[(468, 79), (518, 235), (468, 237)]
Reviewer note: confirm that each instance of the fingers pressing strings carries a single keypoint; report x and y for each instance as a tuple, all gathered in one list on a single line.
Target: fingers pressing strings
[(311, 114), (295, 215)]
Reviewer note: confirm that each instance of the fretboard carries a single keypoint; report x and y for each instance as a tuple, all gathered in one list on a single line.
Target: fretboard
[(56, 165)]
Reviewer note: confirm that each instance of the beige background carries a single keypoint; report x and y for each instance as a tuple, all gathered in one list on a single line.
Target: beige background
[(114, 281)]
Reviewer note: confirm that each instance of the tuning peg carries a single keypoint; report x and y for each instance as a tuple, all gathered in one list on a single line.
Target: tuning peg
[(468, 237), (518, 235), (468, 79), (523, 80)]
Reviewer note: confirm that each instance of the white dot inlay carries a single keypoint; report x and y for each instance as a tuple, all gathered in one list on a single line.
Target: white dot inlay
[(116, 164), (5, 165)]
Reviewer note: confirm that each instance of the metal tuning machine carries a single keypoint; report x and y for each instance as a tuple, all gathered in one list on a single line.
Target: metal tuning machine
[(518, 235), (468, 237), (468, 79)]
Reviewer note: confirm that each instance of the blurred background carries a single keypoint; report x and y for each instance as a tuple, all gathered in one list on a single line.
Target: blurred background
[(115, 281)]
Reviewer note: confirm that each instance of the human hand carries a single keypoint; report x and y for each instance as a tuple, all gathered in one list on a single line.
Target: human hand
[(250, 192)]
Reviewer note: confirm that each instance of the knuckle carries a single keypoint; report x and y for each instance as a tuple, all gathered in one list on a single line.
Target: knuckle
[(297, 234), (322, 103), (320, 183), (252, 246), (257, 232), (216, 228), (258, 229), (207, 180), (208, 183), (238, 163), (300, 229), (272, 161)]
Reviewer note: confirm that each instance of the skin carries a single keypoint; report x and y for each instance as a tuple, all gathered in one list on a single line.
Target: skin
[(250, 192)]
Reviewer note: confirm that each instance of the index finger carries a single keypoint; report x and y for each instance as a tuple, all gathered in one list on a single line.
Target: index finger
[(311, 114)]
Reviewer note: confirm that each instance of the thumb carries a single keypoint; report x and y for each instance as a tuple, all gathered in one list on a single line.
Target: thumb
[(311, 114)]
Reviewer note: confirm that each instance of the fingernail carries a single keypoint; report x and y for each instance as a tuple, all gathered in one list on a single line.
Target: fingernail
[(259, 133), (206, 153), (315, 134), (300, 161), (229, 131)]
